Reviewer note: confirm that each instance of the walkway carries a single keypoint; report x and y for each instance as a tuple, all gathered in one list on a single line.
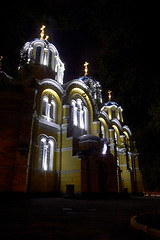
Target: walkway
[(58, 218)]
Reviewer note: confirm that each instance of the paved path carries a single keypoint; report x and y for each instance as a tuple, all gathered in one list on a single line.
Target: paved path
[(58, 218)]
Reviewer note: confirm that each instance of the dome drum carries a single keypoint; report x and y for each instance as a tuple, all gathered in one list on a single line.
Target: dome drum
[(43, 53)]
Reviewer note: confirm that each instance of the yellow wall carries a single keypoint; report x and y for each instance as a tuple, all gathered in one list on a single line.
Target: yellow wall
[(105, 127), (71, 178)]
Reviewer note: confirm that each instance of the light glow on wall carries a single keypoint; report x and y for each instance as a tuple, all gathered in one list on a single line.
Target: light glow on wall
[(104, 150)]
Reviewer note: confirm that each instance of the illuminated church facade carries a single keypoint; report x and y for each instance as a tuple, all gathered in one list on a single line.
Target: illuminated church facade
[(61, 138)]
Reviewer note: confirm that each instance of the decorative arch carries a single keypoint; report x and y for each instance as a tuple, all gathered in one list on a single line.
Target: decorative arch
[(117, 123), (80, 87), (117, 133), (75, 92), (118, 129), (104, 114), (104, 119), (38, 51), (127, 131), (104, 127), (50, 105)]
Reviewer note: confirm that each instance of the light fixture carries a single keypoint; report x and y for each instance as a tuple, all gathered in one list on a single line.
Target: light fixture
[(104, 150)]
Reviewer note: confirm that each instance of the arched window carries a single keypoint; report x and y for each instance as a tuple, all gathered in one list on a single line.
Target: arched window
[(50, 59), (102, 130), (44, 105), (49, 108), (74, 112), (52, 113), (46, 153), (113, 113), (79, 114), (38, 55), (115, 136), (86, 117)]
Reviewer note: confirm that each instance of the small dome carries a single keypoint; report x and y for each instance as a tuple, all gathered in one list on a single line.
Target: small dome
[(111, 104), (87, 78), (94, 86)]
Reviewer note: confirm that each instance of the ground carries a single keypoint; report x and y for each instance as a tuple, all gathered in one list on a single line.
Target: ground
[(58, 218)]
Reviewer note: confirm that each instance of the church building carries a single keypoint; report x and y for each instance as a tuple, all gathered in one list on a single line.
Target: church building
[(61, 138)]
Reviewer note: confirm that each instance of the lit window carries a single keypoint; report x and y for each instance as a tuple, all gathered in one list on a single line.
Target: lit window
[(44, 105), (79, 114), (74, 112), (46, 154), (102, 130), (104, 149), (115, 136), (49, 108), (85, 118)]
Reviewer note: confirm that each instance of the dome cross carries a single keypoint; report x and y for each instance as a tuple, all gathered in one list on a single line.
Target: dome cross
[(86, 68), (109, 95)]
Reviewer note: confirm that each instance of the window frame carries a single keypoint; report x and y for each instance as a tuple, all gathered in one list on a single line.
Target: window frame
[(46, 157)]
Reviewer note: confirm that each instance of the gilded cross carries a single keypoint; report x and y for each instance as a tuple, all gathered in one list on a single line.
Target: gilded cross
[(46, 38), (86, 68), (42, 32), (109, 95)]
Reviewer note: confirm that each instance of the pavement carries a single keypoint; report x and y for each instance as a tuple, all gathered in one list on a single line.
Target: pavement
[(30, 218)]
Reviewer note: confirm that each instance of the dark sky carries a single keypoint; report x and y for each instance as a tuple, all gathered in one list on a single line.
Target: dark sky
[(119, 39), (82, 30)]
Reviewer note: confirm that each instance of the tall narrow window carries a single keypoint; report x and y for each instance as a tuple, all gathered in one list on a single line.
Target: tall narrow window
[(113, 113), (42, 145), (49, 108), (79, 111), (102, 130), (44, 105), (50, 59), (115, 135), (79, 114), (38, 55), (74, 112), (50, 154), (46, 154), (53, 111), (85, 115)]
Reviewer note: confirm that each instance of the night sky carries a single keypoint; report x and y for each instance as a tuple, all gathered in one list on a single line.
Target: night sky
[(85, 30), (120, 40)]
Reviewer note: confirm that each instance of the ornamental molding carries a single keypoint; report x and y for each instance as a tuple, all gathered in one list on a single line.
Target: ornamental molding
[(105, 115), (117, 123), (127, 129), (52, 82)]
